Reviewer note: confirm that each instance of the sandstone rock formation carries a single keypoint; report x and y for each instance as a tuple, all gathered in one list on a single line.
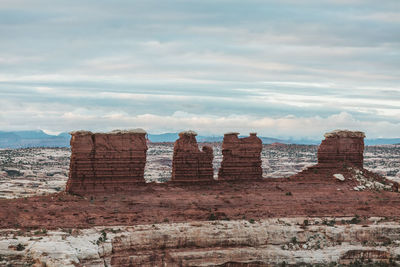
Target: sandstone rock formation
[(342, 146), (106, 162), (241, 157), (189, 164), (267, 242)]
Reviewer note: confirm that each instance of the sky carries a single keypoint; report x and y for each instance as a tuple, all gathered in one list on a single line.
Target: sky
[(283, 69)]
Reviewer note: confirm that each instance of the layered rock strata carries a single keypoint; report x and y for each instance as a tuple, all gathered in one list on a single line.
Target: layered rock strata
[(297, 241), (106, 162), (341, 147), (189, 164), (241, 157)]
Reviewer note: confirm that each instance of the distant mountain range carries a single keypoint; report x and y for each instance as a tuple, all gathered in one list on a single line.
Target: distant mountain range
[(38, 138), (171, 137)]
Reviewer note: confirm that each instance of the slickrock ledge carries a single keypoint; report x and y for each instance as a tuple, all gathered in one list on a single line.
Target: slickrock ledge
[(268, 242), (189, 164)]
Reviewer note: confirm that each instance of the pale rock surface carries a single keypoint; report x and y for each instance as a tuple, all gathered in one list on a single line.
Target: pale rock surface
[(339, 176), (267, 242)]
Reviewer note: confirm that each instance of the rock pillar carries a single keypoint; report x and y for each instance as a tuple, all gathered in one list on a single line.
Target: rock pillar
[(189, 164), (241, 157), (340, 147), (106, 162)]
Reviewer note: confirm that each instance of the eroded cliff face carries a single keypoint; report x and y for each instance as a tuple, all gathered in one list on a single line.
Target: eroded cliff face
[(106, 162), (241, 157), (341, 147), (189, 164), (212, 243)]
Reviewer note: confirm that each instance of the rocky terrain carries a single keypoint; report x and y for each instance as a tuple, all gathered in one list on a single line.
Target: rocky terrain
[(36, 171), (331, 213), (301, 241), (33, 171)]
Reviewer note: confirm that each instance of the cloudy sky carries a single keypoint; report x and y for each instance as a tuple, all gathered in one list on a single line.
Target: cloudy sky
[(281, 68)]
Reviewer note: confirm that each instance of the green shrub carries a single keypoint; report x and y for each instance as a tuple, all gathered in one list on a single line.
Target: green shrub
[(102, 238), (355, 220), (20, 247), (212, 217)]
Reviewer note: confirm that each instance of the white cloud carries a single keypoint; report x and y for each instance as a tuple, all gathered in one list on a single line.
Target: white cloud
[(284, 127), (288, 126), (277, 67), (392, 17)]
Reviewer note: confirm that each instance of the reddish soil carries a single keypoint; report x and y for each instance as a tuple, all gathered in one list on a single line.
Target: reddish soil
[(310, 194)]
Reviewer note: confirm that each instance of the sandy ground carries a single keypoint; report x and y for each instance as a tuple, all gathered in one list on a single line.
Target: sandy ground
[(154, 203)]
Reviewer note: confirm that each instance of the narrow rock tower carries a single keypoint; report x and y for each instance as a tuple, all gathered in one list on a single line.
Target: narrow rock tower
[(241, 157), (340, 147), (106, 162), (189, 164)]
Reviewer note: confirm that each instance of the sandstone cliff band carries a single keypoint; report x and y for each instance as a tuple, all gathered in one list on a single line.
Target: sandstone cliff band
[(109, 162)]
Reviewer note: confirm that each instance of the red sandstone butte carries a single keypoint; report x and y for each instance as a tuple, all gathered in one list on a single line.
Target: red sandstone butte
[(241, 157), (106, 162), (189, 164), (342, 146)]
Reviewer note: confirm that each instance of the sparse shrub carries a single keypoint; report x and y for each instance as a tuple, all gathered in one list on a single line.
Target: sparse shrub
[(332, 222), (20, 247), (252, 221), (305, 223), (166, 220), (387, 242), (67, 230), (113, 230), (102, 238), (355, 220), (288, 193), (212, 217), (294, 240)]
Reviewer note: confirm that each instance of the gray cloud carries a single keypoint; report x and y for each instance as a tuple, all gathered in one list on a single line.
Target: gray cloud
[(105, 64)]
